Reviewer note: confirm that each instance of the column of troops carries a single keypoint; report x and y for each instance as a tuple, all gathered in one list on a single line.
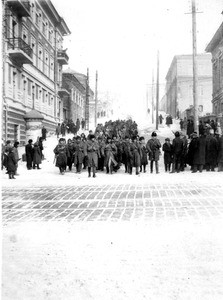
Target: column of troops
[(118, 143)]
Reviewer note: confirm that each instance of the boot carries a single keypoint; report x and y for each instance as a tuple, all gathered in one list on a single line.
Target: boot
[(157, 167), (10, 176), (107, 170), (144, 168), (89, 171), (130, 170), (137, 170), (173, 168), (151, 167), (94, 171)]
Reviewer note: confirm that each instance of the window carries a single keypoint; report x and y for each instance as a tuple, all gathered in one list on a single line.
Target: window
[(29, 87), (222, 107), (51, 34), (33, 46), (51, 68), (44, 27), (44, 96), (33, 93), (40, 94), (18, 79), (46, 71), (37, 91), (14, 84), (10, 74), (25, 34), (40, 57)]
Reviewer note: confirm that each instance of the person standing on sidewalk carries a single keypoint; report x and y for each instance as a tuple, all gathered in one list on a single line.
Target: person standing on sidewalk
[(61, 152), (178, 145), (29, 154), (144, 152), (78, 154), (11, 163), (92, 153), (16, 153), (153, 146), (168, 154), (136, 154), (36, 156)]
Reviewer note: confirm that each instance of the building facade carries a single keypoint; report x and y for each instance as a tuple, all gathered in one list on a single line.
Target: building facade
[(179, 85), (33, 57), (78, 98), (216, 48)]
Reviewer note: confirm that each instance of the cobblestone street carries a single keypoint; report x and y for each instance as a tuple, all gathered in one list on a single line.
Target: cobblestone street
[(122, 202)]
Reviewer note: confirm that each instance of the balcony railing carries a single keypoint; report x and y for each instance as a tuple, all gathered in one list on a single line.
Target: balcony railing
[(62, 57), (21, 7), (19, 50)]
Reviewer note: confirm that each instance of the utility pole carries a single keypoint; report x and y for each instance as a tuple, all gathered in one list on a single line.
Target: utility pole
[(96, 98), (153, 97), (195, 77), (157, 93), (87, 102)]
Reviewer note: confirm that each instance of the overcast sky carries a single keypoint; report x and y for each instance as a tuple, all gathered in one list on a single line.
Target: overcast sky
[(120, 39)]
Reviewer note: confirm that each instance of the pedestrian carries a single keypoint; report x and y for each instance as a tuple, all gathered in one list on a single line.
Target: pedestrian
[(101, 156), (36, 156), (184, 153), (92, 153), (70, 158), (29, 154), (61, 153), (220, 154), (58, 130), (82, 124), (126, 154), (40, 144), (110, 150), (16, 153), (63, 129), (79, 154), (44, 132), (168, 154), (199, 154), (181, 124), (144, 154), (135, 154), (211, 151), (11, 163), (78, 124), (5, 149), (161, 118), (177, 152), (153, 146)]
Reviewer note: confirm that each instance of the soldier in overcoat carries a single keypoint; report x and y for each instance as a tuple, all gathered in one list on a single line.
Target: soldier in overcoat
[(168, 154), (135, 154), (153, 146), (61, 152), (110, 150), (211, 151), (29, 154), (220, 154), (199, 153), (79, 153), (36, 156), (144, 154), (92, 154)]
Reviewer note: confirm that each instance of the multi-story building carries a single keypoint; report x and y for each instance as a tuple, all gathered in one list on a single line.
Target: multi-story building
[(78, 98), (33, 57), (216, 48), (74, 99), (179, 85)]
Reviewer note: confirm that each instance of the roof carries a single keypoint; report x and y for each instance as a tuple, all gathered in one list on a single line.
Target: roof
[(218, 36)]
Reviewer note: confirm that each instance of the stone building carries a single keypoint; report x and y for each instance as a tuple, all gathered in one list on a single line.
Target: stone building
[(179, 85), (216, 48), (74, 87), (33, 57)]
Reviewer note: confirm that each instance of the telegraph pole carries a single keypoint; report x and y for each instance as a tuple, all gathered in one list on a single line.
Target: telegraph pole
[(195, 77), (153, 98), (96, 98), (157, 93), (87, 102)]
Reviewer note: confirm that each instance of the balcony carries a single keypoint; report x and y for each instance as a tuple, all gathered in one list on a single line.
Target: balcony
[(62, 57), (62, 92), (19, 51), (20, 7)]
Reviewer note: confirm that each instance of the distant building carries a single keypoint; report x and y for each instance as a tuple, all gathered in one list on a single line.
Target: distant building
[(216, 48), (179, 85), (33, 56), (74, 88)]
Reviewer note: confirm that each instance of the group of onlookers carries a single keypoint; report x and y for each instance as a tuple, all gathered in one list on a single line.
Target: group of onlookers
[(68, 126)]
